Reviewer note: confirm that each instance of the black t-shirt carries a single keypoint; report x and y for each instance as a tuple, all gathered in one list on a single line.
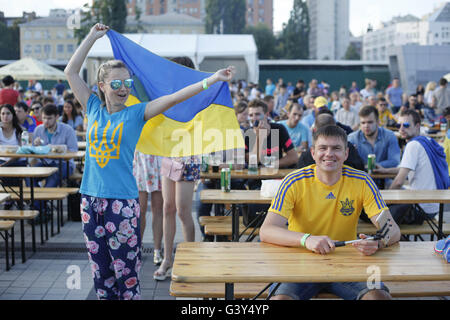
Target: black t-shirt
[(284, 143)]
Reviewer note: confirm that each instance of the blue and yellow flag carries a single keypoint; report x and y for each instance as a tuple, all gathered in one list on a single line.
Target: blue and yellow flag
[(203, 124)]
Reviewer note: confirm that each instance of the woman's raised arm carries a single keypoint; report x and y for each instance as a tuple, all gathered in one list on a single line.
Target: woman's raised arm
[(80, 89)]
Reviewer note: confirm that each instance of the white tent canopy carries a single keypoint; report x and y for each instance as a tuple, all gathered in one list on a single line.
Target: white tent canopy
[(196, 46), (31, 69), (447, 76)]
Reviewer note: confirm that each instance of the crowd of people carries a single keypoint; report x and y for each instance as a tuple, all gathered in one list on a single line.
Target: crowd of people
[(37, 117), (326, 134)]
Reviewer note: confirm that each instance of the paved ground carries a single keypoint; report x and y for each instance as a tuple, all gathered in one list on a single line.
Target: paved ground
[(46, 275)]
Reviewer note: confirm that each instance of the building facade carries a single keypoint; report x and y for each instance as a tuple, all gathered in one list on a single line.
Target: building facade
[(168, 23), (431, 30), (329, 35), (258, 11), (48, 38)]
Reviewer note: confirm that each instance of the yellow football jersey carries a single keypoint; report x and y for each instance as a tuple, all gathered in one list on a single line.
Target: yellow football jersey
[(316, 208)]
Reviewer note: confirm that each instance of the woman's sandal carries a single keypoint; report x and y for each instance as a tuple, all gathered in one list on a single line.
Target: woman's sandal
[(161, 276), (157, 257)]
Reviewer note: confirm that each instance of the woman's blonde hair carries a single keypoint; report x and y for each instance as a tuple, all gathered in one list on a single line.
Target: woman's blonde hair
[(104, 69), (430, 86)]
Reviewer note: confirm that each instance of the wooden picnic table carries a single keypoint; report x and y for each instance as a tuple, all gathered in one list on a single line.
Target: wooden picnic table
[(258, 262), (23, 173), (55, 156), (403, 196)]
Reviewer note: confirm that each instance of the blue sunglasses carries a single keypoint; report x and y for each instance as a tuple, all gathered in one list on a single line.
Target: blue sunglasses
[(117, 84), (405, 125)]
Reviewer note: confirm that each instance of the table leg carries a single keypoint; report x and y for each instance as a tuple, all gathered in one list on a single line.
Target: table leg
[(60, 172), (22, 229), (235, 223), (229, 291), (440, 222), (6, 250)]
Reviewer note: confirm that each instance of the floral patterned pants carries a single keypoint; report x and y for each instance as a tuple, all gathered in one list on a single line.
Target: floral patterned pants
[(112, 233)]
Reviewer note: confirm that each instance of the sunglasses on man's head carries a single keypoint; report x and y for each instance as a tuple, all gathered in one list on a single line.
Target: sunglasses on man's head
[(117, 84), (405, 125)]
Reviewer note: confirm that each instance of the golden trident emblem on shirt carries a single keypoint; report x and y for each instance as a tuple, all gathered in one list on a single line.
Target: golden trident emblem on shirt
[(103, 152)]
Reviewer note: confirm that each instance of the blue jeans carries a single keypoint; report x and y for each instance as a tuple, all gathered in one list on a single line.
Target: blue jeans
[(345, 290), (53, 180)]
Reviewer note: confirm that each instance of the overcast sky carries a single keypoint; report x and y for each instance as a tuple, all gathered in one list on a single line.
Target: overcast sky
[(362, 12)]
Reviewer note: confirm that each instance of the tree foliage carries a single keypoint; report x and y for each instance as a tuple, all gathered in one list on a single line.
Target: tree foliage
[(227, 17), (294, 38), (112, 13), (9, 42), (265, 41), (352, 53)]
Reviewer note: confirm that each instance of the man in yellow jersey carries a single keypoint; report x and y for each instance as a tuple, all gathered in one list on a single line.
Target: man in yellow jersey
[(321, 204)]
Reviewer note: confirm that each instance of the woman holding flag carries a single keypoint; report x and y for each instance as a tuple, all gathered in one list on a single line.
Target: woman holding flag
[(109, 203)]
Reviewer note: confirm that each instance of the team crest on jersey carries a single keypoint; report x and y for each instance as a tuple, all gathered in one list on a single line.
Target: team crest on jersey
[(347, 207)]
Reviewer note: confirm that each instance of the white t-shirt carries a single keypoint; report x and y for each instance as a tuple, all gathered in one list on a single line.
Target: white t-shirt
[(11, 141), (349, 118), (421, 176)]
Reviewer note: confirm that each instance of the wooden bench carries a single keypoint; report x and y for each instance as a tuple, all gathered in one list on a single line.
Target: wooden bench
[(7, 231), (221, 225), (250, 290), (22, 215), (51, 196)]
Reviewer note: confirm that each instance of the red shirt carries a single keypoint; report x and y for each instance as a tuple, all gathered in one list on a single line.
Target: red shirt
[(37, 121), (8, 95)]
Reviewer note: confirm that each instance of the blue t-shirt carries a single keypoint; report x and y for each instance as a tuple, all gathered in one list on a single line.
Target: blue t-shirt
[(298, 134), (110, 144), (395, 95)]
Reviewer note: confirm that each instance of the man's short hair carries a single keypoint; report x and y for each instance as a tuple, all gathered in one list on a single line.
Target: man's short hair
[(443, 82), (446, 112), (256, 103), (324, 120), (381, 100), (22, 105), (367, 110), (240, 107), (415, 116), (330, 131), (268, 97), (8, 80), (50, 109)]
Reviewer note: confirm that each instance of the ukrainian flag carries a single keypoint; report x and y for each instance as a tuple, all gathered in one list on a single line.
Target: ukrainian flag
[(203, 124)]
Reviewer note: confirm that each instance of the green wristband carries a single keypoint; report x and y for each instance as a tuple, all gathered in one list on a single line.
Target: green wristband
[(303, 241), (205, 84)]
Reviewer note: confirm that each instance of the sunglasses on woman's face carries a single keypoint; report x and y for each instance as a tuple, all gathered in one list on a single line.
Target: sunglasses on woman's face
[(405, 125), (117, 84)]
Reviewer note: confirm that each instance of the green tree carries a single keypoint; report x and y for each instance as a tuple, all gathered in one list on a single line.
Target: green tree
[(294, 38), (9, 42), (351, 53), (112, 13), (227, 17), (264, 39)]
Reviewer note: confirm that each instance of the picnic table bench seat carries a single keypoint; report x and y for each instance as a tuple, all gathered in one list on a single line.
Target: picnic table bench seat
[(398, 289)]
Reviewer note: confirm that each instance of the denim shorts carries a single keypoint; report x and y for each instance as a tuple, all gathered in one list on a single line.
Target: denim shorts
[(306, 291)]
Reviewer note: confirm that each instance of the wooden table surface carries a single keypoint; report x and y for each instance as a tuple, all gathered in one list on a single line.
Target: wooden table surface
[(389, 196), (66, 156), (251, 262), (27, 172)]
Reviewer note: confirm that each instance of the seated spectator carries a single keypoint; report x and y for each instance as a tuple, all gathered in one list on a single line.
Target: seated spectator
[(241, 110), (314, 105), (373, 139), (385, 115), (281, 99), (314, 90), (8, 95), (347, 116), (270, 101), (71, 117), (36, 110), (355, 102), (322, 110), (10, 134), (423, 164), (26, 121), (353, 159), (298, 90), (55, 133), (297, 131)]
